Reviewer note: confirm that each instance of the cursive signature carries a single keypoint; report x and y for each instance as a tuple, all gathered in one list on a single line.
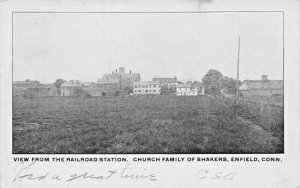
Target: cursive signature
[(206, 174), (23, 172)]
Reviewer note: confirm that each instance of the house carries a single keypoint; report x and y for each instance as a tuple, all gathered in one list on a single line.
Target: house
[(199, 86), (101, 88), (71, 88), (186, 90), (146, 87), (34, 88), (20, 88), (124, 79), (88, 84), (53, 91), (167, 82), (263, 87), (109, 84)]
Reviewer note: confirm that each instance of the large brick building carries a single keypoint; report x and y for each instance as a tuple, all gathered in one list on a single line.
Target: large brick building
[(263, 87), (122, 79)]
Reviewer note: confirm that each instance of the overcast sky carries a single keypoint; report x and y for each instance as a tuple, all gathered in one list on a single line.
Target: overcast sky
[(86, 46)]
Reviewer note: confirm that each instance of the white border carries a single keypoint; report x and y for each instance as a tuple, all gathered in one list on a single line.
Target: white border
[(181, 174)]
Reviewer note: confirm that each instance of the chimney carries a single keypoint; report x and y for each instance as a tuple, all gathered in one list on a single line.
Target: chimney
[(264, 78), (116, 70), (122, 70)]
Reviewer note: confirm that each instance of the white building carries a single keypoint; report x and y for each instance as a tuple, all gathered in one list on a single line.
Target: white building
[(186, 90), (146, 87)]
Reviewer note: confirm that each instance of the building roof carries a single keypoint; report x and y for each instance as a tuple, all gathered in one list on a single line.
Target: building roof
[(132, 77), (197, 84), (29, 84), (184, 85), (146, 83), (166, 80), (262, 81), (26, 83), (263, 84), (32, 84), (108, 81), (88, 84), (72, 83)]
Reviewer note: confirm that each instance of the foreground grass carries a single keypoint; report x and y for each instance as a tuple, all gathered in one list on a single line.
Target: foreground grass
[(137, 124)]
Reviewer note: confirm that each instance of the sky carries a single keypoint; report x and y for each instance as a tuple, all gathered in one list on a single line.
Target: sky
[(48, 46)]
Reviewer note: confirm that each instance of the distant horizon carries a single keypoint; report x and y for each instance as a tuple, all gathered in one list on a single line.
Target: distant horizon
[(178, 79)]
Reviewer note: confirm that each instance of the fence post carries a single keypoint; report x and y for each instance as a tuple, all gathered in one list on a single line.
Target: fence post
[(248, 103), (261, 106)]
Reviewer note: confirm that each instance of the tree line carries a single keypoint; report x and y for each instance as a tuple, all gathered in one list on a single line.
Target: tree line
[(215, 83)]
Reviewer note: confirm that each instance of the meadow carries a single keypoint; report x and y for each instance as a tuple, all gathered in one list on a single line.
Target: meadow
[(142, 124)]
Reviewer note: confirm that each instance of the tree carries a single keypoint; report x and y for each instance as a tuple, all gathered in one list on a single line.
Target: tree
[(128, 89), (198, 85), (165, 90), (211, 82), (58, 84), (228, 85)]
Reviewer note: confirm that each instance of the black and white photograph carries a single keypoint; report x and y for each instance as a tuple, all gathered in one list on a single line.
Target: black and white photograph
[(148, 82), (157, 93)]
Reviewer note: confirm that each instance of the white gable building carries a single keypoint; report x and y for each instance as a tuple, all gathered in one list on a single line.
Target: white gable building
[(186, 90), (146, 87)]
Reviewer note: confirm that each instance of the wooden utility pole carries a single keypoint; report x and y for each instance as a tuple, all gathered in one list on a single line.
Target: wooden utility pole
[(238, 67)]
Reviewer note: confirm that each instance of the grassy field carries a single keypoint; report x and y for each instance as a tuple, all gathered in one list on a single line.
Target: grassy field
[(142, 124)]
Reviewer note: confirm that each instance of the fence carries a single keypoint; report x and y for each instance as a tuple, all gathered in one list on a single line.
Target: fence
[(254, 106)]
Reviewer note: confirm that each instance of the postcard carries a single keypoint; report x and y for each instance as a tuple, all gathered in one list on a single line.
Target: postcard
[(184, 93)]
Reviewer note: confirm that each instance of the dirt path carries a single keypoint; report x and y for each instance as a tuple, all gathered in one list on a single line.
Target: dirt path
[(257, 128)]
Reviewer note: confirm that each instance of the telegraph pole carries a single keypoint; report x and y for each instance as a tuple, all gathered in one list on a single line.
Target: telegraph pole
[(238, 67)]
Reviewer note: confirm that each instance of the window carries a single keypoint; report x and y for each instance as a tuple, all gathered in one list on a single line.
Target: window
[(154, 90), (146, 91)]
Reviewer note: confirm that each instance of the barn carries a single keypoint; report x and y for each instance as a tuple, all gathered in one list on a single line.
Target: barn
[(33, 88), (263, 87)]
